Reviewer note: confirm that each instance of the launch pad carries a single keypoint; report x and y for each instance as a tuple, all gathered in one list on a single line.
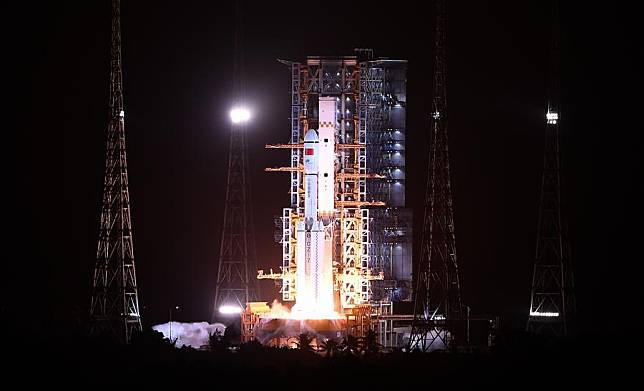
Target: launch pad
[(285, 331), (279, 328)]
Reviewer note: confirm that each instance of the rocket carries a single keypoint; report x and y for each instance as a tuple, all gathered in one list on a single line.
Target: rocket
[(314, 277)]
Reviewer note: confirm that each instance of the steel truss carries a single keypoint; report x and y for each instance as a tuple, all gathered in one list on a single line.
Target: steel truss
[(236, 282), (438, 310), (114, 307), (552, 295), (339, 77)]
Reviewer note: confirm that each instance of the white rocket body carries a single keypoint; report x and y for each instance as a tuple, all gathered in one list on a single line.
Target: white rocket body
[(311, 164), (326, 168), (314, 279)]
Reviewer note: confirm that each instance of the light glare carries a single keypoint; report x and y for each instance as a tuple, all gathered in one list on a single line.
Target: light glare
[(552, 117), (239, 114), (229, 309), (546, 314)]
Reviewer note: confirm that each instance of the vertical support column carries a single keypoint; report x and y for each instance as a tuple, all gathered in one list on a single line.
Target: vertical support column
[(362, 185), (350, 292), (365, 288), (362, 130), (296, 107), (287, 256)]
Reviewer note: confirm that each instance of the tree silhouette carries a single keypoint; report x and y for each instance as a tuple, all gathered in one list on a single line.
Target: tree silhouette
[(350, 345), (304, 342), (218, 341), (369, 343), (150, 337), (251, 347), (330, 346)]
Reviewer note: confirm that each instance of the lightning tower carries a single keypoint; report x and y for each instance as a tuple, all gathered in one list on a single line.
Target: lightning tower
[(236, 281), (552, 296), (437, 308), (114, 307)]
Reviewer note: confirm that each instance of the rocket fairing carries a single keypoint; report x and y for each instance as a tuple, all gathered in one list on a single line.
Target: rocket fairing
[(314, 277)]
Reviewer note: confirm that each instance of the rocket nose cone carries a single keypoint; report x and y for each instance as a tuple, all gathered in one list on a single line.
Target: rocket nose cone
[(310, 136)]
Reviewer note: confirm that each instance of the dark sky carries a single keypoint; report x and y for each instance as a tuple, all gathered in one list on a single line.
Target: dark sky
[(177, 61)]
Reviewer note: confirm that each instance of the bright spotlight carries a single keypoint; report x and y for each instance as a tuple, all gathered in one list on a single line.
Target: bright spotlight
[(229, 309), (546, 314), (239, 114), (552, 117)]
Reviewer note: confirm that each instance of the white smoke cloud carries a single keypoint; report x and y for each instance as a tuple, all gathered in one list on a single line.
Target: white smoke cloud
[(190, 334)]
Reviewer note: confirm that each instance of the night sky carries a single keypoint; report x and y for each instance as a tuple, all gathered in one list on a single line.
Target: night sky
[(177, 62)]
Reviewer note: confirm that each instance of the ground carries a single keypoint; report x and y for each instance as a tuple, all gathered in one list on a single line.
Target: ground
[(518, 360)]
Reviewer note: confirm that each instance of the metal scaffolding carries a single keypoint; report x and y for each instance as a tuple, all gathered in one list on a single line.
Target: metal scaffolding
[(391, 227), (364, 100), (114, 307), (364, 181), (552, 294), (236, 282), (438, 310)]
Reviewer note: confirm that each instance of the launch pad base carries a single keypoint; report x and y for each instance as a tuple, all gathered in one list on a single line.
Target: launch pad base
[(280, 332)]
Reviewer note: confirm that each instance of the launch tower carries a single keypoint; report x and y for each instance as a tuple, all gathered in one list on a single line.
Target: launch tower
[(346, 234)]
